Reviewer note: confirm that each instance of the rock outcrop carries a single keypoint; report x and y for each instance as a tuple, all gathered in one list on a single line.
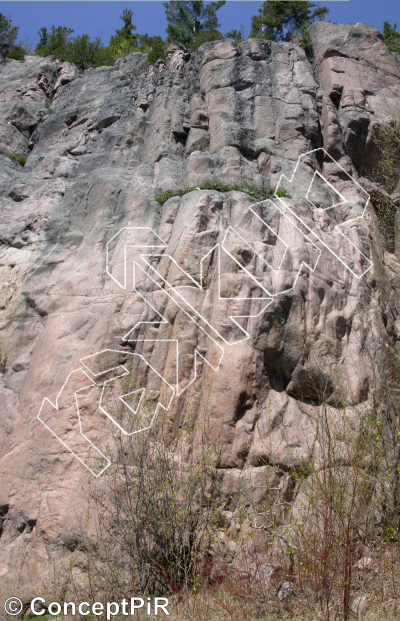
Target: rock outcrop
[(101, 146)]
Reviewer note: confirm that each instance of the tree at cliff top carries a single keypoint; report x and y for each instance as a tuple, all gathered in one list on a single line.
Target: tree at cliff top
[(125, 41), (153, 46), (193, 23), (8, 34), (278, 20), (52, 42), (81, 50), (391, 37)]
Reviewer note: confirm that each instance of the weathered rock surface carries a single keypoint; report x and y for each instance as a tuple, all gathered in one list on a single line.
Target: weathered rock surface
[(101, 146)]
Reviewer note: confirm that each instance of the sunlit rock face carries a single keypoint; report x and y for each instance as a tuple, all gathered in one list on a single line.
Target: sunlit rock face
[(101, 146)]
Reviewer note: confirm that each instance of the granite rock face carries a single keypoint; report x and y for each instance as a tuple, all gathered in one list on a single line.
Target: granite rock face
[(102, 146)]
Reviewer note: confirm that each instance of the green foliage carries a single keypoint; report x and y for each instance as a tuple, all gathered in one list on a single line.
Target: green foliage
[(252, 191), (283, 193), (3, 360), (305, 38), (86, 53), (122, 48), (20, 159), (81, 50), (53, 42), (278, 20), (389, 145), (126, 32), (16, 52), (124, 42), (187, 19), (237, 36), (8, 34), (205, 37), (154, 47), (391, 37), (388, 175), (234, 35)]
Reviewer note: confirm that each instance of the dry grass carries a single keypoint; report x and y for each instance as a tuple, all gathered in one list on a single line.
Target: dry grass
[(222, 604), (247, 596), (250, 597)]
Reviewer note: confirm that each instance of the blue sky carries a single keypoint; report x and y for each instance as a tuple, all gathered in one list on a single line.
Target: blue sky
[(101, 17)]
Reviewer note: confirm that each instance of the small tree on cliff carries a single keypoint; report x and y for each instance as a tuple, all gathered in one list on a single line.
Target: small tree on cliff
[(191, 20), (153, 513), (81, 50), (125, 41), (391, 37), (53, 41), (278, 20), (8, 34)]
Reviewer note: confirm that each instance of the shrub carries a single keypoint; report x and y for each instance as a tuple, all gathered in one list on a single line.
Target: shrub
[(387, 174), (19, 159), (81, 50), (205, 36), (16, 52), (391, 36), (86, 53), (3, 360), (8, 34), (388, 142), (253, 191), (283, 193), (53, 41), (321, 514), (236, 36), (155, 47), (154, 512)]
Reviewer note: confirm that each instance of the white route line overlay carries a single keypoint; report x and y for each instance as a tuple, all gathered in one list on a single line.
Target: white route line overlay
[(55, 406), (197, 353), (285, 212), (343, 201)]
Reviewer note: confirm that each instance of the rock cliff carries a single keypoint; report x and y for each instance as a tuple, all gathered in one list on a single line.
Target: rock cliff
[(101, 146)]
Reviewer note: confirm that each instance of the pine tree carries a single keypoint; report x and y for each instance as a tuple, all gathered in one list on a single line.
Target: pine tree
[(279, 19), (190, 20), (81, 50), (52, 42), (124, 41), (391, 37), (8, 34)]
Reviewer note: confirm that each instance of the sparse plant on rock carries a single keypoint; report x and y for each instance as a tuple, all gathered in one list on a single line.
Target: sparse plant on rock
[(3, 360), (19, 159), (255, 192), (387, 175)]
